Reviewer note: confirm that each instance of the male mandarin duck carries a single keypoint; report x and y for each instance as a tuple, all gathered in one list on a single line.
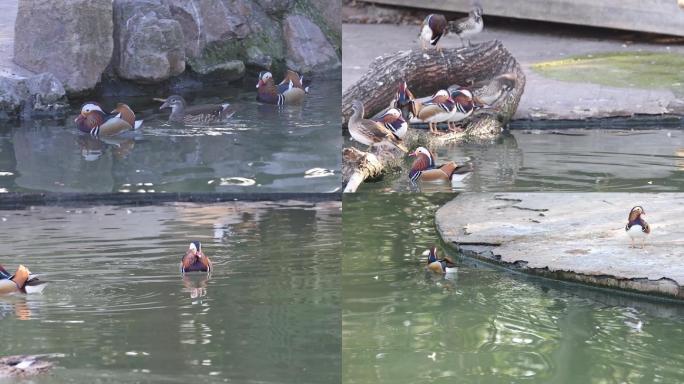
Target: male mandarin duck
[(394, 121), (433, 28), (18, 282), (195, 260), (371, 132), (637, 227), (435, 264), (196, 114), (402, 100), (290, 91), (425, 169), (94, 121), (439, 108), (464, 106), (468, 26)]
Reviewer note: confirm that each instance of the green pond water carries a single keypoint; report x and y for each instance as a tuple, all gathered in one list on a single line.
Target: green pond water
[(117, 309), (483, 324), (262, 148), (572, 159)]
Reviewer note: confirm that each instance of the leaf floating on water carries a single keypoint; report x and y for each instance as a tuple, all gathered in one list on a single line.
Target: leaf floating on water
[(318, 172), (238, 181)]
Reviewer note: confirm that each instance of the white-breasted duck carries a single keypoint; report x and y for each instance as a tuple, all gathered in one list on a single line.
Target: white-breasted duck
[(432, 29), (637, 227)]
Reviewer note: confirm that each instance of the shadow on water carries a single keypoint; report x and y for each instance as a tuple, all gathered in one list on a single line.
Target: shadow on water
[(119, 310), (483, 325), (561, 160), (262, 148)]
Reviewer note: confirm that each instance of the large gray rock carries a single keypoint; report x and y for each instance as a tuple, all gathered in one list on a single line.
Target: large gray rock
[(70, 38), (331, 11), (308, 49), (35, 96), (149, 44), (219, 32)]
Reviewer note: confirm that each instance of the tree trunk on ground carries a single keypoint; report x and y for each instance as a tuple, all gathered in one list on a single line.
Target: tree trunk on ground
[(427, 72)]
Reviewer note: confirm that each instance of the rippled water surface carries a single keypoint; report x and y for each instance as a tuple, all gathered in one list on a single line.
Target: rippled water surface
[(563, 160), (116, 306), (262, 148), (484, 325)]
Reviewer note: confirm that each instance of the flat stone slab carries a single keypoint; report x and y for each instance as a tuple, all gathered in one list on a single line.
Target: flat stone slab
[(573, 236)]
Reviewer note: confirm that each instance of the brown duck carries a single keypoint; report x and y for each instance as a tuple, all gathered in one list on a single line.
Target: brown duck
[(196, 114), (195, 260), (424, 168), (371, 132), (18, 282), (94, 121)]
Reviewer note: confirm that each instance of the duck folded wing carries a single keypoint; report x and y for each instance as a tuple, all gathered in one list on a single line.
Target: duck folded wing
[(210, 109), (293, 95), (378, 133)]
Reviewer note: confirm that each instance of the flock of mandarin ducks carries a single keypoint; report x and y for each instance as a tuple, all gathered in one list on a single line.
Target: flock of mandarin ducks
[(451, 106), (23, 280), (637, 229), (93, 120)]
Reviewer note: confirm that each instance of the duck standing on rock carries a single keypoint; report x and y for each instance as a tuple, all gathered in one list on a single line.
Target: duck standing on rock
[(489, 91), (290, 91), (433, 28), (402, 100), (444, 265), (94, 121), (424, 168), (195, 260), (464, 106), (439, 108), (371, 132), (468, 26), (17, 282), (196, 114), (637, 227)]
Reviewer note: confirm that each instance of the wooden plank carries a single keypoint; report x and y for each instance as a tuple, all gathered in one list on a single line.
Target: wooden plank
[(656, 16)]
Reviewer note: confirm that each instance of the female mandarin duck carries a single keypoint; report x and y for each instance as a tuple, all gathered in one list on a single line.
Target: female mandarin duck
[(371, 132), (637, 227), (424, 168), (96, 122), (290, 91), (17, 282), (196, 114), (435, 264), (394, 121), (487, 92), (439, 108), (195, 260)]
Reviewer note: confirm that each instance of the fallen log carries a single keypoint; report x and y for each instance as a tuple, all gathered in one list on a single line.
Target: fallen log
[(426, 72)]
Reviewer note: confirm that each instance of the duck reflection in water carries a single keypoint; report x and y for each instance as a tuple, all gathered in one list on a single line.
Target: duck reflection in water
[(196, 284), (93, 148)]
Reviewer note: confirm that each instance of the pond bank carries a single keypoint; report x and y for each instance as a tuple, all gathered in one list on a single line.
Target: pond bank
[(577, 237)]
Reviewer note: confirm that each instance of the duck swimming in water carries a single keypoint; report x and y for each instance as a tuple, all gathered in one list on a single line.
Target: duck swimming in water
[(435, 264), (18, 282), (424, 168), (94, 121), (195, 260), (637, 227)]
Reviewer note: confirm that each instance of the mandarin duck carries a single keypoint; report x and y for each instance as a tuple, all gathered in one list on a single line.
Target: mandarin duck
[(439, 108), (402, 100), (394, 121), (290, 91), (489, 91), (195, 260), (433, 28), (196, 114), (468, 26), (94, 121), (19, 282), (464, 106), (444, 265), (424, 168), (371, 132), (637, 227)]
